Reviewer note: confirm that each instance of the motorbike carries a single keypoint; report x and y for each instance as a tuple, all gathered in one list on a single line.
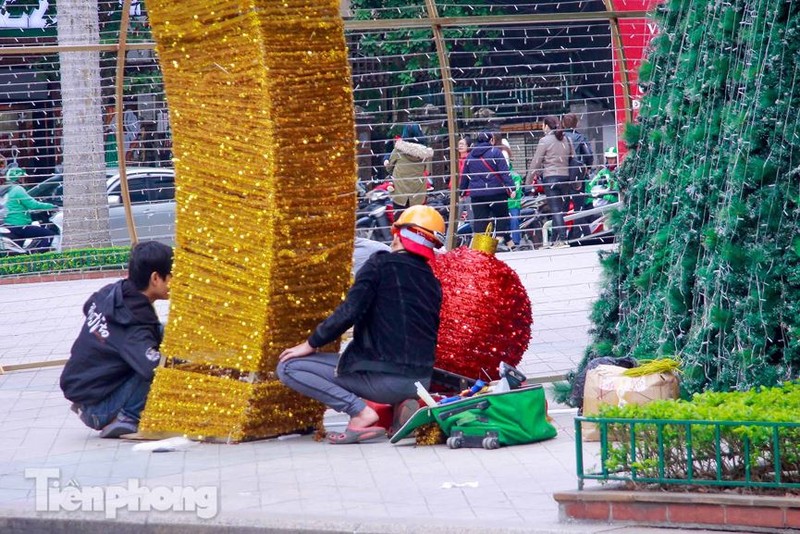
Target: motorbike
[(10, 245), (440, 201), (373, 216), (532, 217), (598, 227), (463, 235)]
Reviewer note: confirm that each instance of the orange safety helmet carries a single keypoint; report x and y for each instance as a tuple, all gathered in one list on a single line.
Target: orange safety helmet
[(421, 229)]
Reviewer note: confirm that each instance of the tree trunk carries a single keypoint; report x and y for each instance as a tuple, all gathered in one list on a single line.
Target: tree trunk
[(85, 198)]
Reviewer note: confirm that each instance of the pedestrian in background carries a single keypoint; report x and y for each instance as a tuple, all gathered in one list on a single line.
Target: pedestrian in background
[(515, 201), (489, 184), (463, 148), (551, 162), (582, 162), (464, 208), (408, 165)]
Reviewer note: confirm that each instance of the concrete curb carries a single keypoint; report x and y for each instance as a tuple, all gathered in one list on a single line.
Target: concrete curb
[(15, 522), (62, 276), (743, 513)]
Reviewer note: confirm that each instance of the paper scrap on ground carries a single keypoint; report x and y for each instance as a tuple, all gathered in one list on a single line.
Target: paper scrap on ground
[(450, 485), (164, 445)]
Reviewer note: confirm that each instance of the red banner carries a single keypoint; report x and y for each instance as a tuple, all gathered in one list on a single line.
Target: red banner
[(635, 35)]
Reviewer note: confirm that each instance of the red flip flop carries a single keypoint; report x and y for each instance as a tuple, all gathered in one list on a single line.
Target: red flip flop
[(357, 435)]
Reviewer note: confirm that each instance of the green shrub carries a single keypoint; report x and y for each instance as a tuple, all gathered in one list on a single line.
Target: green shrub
[(69, 260), (739, 444)]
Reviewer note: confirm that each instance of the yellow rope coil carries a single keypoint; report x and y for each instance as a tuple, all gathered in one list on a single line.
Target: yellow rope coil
[(655, 366)]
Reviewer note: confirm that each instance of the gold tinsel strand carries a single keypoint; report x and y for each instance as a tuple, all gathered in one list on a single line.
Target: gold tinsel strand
[(430, 434), (262, 114)]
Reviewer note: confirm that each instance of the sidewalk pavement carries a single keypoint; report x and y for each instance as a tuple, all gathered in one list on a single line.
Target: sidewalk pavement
[(40, 321), (292, 483)]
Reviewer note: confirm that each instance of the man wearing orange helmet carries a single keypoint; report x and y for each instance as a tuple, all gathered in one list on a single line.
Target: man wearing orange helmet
[(394, 306)]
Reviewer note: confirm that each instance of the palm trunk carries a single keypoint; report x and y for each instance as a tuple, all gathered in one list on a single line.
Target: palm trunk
[(85, 200)]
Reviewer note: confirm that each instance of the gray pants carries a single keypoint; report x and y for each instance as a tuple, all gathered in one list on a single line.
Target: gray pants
[(315, 376)]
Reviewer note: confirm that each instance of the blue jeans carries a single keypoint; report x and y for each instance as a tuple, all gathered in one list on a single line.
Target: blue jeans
[(516, 236), (127, 400)]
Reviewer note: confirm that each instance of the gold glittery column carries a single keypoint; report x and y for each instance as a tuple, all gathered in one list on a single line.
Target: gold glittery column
[(262, 114)]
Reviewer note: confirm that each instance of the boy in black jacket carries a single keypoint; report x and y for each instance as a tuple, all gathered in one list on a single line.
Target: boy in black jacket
[(110, 369), (394, 306)]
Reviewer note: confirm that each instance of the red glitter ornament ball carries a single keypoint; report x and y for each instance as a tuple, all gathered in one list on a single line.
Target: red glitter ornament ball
[(486, 314)]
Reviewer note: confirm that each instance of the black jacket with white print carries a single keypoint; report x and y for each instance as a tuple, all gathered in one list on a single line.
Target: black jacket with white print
[(120, 336)]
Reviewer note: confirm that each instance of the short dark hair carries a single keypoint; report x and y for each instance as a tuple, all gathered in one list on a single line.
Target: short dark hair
[(147, 258), (485, 137), (412, 132), (570, 120)]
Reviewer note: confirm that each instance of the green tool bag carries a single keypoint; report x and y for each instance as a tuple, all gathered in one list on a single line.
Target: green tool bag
[(489, 421)]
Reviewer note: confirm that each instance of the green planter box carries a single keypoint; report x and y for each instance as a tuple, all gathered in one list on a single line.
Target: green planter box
[(752, 454)]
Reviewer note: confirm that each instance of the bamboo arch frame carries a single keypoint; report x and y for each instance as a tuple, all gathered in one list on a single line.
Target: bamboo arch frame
[(433, 21), (118, 99)]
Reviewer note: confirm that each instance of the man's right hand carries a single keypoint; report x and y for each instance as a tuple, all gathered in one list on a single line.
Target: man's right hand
[(298, 351)]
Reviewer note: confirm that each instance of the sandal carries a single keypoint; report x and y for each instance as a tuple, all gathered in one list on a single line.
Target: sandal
[(356, 435)]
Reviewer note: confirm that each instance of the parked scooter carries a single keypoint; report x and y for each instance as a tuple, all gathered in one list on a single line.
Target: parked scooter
[(533, 215), (440, 201), (373, 217)]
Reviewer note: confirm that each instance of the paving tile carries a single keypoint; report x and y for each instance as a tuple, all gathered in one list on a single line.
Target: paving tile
[(240, 501), (16, 498)]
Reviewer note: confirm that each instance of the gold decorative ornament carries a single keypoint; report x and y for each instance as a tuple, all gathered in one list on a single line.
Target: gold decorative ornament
[(485, 242), (263, 135)]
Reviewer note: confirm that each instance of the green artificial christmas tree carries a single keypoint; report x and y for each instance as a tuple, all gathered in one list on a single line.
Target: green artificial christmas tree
[(708, 262)]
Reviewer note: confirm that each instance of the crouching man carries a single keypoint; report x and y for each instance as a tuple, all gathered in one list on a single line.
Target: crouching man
[(394, 305), (110, 369)]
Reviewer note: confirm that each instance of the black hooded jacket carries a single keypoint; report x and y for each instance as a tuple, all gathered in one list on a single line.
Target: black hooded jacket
[(394, 305), (120, 337)]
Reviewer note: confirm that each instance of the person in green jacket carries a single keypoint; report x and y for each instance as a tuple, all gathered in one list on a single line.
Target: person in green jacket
[(515, 200), (19, 205), (602, 188)]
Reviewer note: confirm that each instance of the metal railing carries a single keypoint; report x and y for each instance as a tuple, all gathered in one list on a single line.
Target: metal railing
[(693, 452)]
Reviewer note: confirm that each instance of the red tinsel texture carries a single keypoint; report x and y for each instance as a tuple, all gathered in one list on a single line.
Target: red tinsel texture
[(486, 314)]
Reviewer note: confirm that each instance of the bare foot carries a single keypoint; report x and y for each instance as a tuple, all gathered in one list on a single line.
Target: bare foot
[(367, 417)]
